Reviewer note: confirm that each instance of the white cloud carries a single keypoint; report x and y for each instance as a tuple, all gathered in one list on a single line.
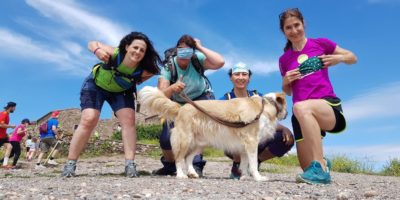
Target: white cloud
[(84, 23), (24, 47), (377, 154), (256, 65), (376, 103)]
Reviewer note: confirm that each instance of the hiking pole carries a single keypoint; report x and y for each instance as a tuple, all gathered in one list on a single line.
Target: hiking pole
[(54, 148)]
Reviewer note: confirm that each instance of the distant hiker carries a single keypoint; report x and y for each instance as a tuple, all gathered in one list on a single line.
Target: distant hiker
[(48, 141), (33, 149), (134, 61), (5, 120), (28, 143), (15, 141)]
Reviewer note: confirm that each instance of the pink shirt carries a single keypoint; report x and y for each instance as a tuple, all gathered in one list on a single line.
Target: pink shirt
[(316, 85), (18, 137)]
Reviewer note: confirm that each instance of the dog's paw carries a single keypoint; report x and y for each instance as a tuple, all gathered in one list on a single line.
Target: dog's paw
[(181, 176), (193, 175), (261, 178)]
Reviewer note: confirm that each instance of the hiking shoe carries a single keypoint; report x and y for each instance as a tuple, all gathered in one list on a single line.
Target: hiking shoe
[(328, 165), (198, 170), (40, 166), (69, 170), (314, 174), (7, 167), (52, 162), (235, 171), (163, 171), (130, 170)]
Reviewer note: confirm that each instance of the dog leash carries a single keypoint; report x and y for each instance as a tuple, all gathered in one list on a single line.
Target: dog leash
[(219, 120)]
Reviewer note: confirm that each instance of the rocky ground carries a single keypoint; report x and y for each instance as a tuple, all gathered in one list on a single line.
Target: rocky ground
[(101, 178)]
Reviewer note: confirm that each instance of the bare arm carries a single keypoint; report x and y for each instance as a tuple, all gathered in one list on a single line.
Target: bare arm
[(102, 51), (2, 125), (213, 59), (286, 133), (164, 86), (338, 56), (146, 75), (288, 79)]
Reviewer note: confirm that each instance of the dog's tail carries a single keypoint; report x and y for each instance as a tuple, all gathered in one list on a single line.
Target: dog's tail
[(156, 102)]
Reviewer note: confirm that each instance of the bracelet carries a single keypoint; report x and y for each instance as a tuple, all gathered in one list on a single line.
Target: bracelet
[(94, 52)]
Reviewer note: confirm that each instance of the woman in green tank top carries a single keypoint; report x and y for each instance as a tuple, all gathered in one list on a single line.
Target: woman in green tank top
[(135, 53)]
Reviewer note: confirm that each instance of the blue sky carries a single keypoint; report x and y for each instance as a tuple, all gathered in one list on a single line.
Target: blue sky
[(44, 56)]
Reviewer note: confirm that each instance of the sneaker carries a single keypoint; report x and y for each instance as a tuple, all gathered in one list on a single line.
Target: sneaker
[(52, 162), (40, 167), (235, 171), (7, 167), (314, 174), (163, 171), (328, 165), (198, 170), (69, 170), (130, 170)]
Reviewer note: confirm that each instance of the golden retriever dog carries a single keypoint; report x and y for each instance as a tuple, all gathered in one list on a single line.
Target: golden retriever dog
[(194, 130)]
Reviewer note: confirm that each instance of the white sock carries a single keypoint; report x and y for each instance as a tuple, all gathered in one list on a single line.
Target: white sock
[(5, 162)]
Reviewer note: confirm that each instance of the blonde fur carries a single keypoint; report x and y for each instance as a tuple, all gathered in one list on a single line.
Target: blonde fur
[(194, 130)]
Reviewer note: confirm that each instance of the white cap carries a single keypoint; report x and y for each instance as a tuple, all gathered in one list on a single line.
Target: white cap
[(240, 67)]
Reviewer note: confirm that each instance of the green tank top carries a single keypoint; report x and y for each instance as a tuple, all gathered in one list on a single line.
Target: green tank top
[(105, 78)]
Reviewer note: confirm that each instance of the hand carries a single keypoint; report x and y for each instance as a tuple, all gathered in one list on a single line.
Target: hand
[(291, 76), (101, 54), (330, 60), (198, 43), (178, 86), (287, 136)]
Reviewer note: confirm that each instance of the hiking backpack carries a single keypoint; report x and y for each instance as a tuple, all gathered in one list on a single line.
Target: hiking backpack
[(112, 64), (250, 93), (43, 127), (169, 63)]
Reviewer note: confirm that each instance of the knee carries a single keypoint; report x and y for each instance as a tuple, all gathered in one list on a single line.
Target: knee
[(165, 142), (300, 109), (88, 121)]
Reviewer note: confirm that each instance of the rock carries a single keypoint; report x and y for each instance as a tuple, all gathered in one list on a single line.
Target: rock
[(370, 193)]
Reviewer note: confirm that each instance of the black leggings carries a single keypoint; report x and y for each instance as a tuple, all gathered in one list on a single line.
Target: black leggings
[(16, 152)]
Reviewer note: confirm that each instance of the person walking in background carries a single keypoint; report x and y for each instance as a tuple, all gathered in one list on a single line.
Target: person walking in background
[(316, 108), (5, 120), (14, 149), (33, 149), (28, 144), (189, 54), (268, 148), (48, 141), (134, 61)]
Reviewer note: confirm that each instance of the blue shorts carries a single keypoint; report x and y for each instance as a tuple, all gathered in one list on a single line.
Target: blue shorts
[(340, 125), (92, 96)]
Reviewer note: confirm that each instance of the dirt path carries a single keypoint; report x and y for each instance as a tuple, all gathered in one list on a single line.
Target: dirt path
[(101, 178)]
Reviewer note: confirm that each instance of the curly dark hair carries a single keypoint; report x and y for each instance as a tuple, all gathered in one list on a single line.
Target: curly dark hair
[(151, 60)]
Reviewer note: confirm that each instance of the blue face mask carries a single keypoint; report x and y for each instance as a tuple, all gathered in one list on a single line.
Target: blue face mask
[(184, 53)]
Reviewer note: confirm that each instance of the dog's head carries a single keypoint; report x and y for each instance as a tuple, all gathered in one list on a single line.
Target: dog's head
[(278, 100)]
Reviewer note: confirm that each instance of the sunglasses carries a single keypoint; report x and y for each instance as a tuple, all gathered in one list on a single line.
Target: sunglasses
[(295, 10)]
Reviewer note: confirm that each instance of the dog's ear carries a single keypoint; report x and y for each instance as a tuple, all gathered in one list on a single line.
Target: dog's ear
[(281, 100)]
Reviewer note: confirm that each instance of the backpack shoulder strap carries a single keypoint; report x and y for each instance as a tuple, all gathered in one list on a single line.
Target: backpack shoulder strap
[(253, 92), (227, 95), (197, 64), (170, 65)]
